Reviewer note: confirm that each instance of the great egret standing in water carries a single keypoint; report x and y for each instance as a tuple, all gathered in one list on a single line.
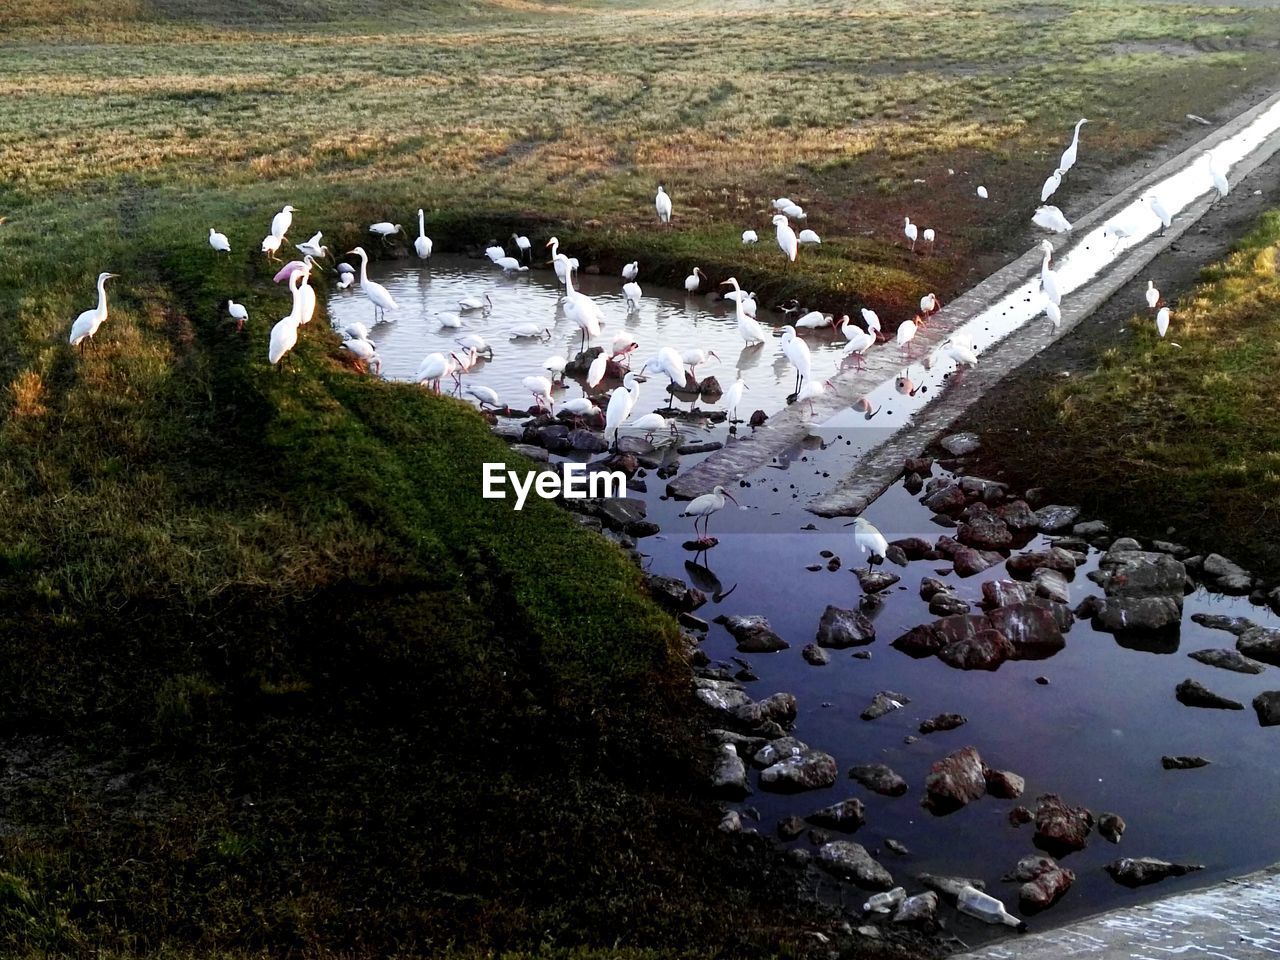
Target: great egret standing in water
[(376, 292), (422, 245)]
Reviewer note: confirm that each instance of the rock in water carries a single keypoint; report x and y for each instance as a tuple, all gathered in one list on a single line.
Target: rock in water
[(850, 861), (959, 444), (754, 635), (943, 721), (840, 628), (808, 770), (846, 816), (1111, 826), (955, 780), (1005, 785), (1260, 644), (1224, 659), (1193, 694), (1043, 881), (674, 594), (1061, 828), (878, 778), (886, 701), (815, 655), (1140, 871), (1030, 628), (985, 650), (729, 774), (876, 581), (790, 827), (1226, 577), (1056, 517), (1267, 707), (776, 750), (1183, 763)]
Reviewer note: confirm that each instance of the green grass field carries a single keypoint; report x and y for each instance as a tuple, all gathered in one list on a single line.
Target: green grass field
[(278, 682)]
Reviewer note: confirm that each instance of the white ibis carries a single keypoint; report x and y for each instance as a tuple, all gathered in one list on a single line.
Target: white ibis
[(813, 319), (982, 193), (809, 236), (219, 241), (485, 396), (555, 365), (1218, 176), (1162, 321), (271, 246), (631, 270), (906, 333), (385, 229), (694, 280), (701, 508), (632, 293), (523, 245), (872, 320), (313, 247), (530, 331), (596, 372), (470, 301), (540, 388), (750, 236), (1161, 211), (238, 313)]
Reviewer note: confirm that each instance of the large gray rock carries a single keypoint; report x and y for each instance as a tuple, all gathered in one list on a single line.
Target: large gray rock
[(1022, 566), (808, 770), (986, 531), (1193, 694), (1267, 706), (776, 750), (1055, 517), (1051, 585), (1004, 784), (840, 628), (674, 594), (959, 444), (1136, 614), (729, 774), (1259, 643), (1030, 628), (851, 861), (1232, 660), (1002, 593), (754, 635), (984, 650), (1140, 573), (1226, 576), (955, 780), (879, 778), (722, 695), (1140, 871), (943, 721), (920, 911), (1217, 621)]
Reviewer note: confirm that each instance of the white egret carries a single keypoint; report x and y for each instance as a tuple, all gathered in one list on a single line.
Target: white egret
[(868, 540), (1218, 176), (582, 310), (961, 349), (631, 291), (668, 361), (694, 280), (385, 229), (306, 298), (580, 407), (422, 245), (782, 202), (797, 353), (1161, 211), (1152, 295), (733, 397), (283, 220), (795, 212), (564, 265), (1162, 321), (219, 241), (378, 295), (87, 324), (748, 327), (510, 265), (1050, 218), (911, 231), (523, 245), (808, 236), (1069, 155), (651, 423), (472, 302), (284, 335), (555, 365), (596, 372), (314, 247), (1052, 311), (1051, 185), (449, 320), (701, 508), (355, 330), (813, 319), (621, 402), (238, 313), (929, 236), (495, 253), (787, 241), (872, 320), (631, 270), (530, 331), (271, 246), (1048, 278), (750, 236), (662, 203), (982, 193), (346, 280), (486, 396)]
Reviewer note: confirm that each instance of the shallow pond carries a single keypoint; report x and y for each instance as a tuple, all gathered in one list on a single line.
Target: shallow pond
[(665, 318)]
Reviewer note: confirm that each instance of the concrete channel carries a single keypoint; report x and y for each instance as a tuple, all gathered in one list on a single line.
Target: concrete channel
[(1250, 138), (1235, 920)]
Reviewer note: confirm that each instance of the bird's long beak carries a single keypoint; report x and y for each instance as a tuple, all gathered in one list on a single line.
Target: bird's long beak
[(348, 253), (713, 354), (731, 497)]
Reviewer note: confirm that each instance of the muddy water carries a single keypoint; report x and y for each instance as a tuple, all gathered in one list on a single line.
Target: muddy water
[(665, 318)]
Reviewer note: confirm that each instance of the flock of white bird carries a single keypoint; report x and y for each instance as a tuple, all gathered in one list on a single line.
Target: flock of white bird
[(680, 367)]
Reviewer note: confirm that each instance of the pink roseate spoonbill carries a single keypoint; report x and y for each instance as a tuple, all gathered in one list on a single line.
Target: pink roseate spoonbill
[(622, 347), (701, 508), (87, 324)]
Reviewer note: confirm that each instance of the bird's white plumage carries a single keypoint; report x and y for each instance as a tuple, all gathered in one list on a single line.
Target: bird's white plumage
[(219, 241)]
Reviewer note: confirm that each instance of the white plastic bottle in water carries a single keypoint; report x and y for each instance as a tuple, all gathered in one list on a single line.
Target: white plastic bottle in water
[(978, 904), (884, 902)]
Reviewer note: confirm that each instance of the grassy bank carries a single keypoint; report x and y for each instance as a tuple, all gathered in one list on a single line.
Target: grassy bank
[(1181, 432)]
